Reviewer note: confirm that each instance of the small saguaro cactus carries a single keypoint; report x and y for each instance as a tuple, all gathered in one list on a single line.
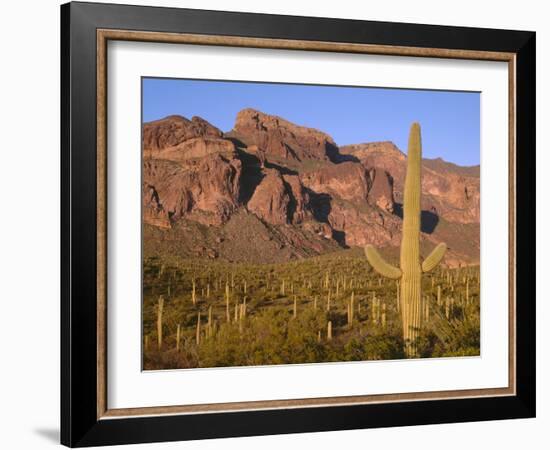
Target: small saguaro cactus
[(227, 315), (160, 309), (198, 330), (410, 271), (397, 300), (210, 320)]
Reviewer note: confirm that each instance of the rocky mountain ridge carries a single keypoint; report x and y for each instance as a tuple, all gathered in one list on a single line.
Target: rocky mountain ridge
[(278, 190)]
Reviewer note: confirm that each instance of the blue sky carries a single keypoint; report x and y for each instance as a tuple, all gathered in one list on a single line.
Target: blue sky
[(351, 115)]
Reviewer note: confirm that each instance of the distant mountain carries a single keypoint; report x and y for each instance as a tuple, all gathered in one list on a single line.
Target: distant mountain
[(442, 166), (270, 190)]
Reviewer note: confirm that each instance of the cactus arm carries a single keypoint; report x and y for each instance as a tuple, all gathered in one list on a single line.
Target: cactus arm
[(434, 258), (381, 266)]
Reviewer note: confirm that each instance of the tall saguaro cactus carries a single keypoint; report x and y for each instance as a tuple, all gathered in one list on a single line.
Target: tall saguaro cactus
[(410, 271)]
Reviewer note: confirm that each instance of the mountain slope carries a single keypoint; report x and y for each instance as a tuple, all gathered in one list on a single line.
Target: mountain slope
[(270, 190)]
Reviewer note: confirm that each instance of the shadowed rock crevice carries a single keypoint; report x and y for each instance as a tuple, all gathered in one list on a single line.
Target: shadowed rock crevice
[(292, 202), (340, 237), (428, 219), (281, 169), (251, 175), (333, 153), (320, 205)]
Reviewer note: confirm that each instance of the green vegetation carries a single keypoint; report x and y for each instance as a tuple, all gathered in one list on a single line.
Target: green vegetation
[(209, 313)]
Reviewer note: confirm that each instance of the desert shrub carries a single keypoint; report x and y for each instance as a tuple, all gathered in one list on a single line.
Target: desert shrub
[(270, 334)]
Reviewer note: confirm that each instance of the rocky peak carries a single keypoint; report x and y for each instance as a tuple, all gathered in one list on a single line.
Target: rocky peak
[(178, 139), (442, 166), (189, 171), (366, 150), (174, 130), (281, 139)]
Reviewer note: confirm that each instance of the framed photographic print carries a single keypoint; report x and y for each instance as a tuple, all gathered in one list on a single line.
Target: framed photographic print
[(276, 224)]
